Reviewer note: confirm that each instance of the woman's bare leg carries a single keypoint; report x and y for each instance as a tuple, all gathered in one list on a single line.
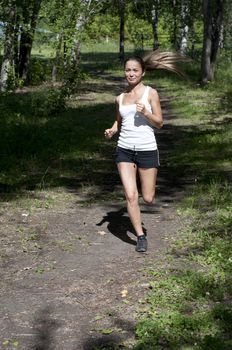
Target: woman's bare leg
[(127, 172), (148, 183)]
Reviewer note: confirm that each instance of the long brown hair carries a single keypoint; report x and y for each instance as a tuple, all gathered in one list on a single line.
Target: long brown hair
[(160, 60)]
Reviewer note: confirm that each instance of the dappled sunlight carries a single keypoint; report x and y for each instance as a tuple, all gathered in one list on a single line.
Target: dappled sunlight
[(65, 208)]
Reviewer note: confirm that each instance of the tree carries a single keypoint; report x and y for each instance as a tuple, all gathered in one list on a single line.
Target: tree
[(87, 9), (175, 13), (68, 20), (121, 6), (213, 19), (30, 12), (149, 10), (59, 16), (184, 27), (7, 67), (226, 32), (154, 21)]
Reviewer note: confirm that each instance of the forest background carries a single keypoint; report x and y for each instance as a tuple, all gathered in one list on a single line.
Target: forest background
[(60, 29)]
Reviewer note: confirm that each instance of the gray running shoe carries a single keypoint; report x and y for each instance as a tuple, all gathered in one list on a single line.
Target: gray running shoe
[(141, 244)]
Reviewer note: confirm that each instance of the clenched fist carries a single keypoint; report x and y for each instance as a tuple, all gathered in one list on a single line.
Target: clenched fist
[(109, 133), (140, 107)]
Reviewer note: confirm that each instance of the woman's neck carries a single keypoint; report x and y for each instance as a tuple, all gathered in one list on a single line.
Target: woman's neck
[(135, 88)]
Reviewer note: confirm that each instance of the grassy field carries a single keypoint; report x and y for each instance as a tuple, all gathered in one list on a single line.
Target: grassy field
[(50, 144)]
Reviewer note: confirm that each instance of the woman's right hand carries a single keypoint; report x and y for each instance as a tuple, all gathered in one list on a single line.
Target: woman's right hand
[(109, 133)]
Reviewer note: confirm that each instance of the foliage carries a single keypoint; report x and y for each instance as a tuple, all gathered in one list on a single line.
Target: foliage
[(39, 71), (72, 77), (98, 29), (138, 31), (47, 102)]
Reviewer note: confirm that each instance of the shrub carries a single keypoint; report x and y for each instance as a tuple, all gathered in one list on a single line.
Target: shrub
[(48, 102)]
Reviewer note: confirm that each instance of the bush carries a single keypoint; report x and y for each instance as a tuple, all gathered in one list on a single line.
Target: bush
[(39, 71), (48, 102)]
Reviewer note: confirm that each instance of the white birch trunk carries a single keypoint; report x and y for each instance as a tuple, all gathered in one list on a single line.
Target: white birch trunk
[(5, 70), (87, 10), (184, 29), (8, 54), (76, 50), (184, 39)]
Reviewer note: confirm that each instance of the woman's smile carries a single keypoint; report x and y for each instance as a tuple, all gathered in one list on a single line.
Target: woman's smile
[(133, 72)]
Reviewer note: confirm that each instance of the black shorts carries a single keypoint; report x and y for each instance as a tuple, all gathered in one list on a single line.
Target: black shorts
[(143, 159)]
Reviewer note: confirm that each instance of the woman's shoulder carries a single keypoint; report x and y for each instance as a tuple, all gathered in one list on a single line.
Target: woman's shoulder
[(117, 99), (152, 91)]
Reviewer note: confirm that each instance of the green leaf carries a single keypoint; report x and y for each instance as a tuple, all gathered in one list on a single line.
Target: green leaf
[(106, 330), (5, 342), (15, 343), (98, 317)]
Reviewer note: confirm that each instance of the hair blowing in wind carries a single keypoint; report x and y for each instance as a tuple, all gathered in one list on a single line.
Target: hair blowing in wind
[(164, 60)]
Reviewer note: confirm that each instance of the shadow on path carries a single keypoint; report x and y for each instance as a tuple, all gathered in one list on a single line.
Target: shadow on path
[(119, 225), (112, 341), (44, 327)]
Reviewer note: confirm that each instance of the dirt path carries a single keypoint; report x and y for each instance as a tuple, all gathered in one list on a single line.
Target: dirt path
[(77, 283)]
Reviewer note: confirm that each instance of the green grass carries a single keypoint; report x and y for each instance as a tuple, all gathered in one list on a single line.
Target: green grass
[(186, 312), (42, 151)]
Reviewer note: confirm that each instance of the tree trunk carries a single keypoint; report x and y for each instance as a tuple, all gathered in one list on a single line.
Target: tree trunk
[(57, 60), (155, 17), (121, 30), (184, 28), (174, 31), (7, 67), (16, 42), (76, 50), (193, 39), (30, 17), (213, 15), (65, 51)]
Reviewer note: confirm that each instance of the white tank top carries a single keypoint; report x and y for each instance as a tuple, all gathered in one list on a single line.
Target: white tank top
[(136, 131)]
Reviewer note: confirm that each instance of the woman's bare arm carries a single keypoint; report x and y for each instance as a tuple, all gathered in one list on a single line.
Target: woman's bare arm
[(117, 124)]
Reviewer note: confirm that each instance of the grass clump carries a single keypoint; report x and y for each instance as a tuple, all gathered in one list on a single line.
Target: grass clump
[(185, 312)]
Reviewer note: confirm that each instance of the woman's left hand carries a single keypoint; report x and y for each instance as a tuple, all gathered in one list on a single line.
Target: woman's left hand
[(140, 107)]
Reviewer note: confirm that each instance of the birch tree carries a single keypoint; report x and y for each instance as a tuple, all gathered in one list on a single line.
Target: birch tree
[(87, 9), (184, 27), (68, 19), (7, 68)]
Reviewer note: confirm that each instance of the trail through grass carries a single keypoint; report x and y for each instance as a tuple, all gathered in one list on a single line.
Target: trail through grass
[(50, 150)]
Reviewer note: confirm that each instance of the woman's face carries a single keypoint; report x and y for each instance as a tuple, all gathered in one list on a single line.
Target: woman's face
[(133, 72)]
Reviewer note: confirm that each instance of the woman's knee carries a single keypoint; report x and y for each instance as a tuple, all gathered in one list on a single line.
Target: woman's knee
[(132, 198), (149, 198)]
